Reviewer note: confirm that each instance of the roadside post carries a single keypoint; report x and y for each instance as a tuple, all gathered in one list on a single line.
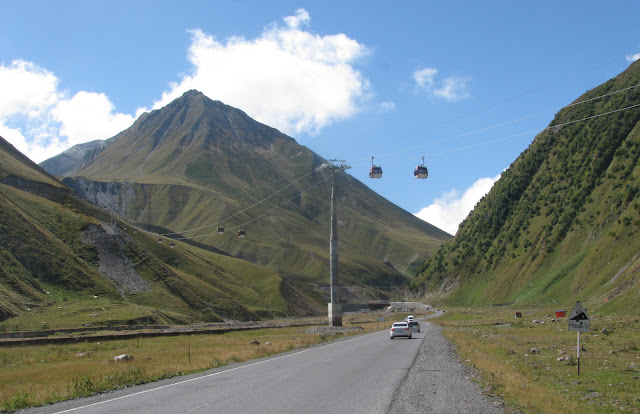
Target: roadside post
[(579, 322)]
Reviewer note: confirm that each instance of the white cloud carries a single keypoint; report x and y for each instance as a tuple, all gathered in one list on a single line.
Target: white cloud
[(26, 89), (88, 116), (424, 77), (633, 58), (41, 121), (452, 88), (288, 78), (15, 137), (448, 211), (301, 17)]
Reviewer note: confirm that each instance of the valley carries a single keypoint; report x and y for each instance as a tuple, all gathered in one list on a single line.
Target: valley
[(129, 232)]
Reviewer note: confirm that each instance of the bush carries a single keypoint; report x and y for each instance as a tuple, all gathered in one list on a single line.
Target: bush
[(19, 401)]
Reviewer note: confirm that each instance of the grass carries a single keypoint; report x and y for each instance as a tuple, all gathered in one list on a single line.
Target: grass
[(493, 341), (38, 375), (77, 312)]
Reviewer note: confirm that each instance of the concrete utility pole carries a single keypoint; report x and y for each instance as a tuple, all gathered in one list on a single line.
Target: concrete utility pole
[(335, 308)]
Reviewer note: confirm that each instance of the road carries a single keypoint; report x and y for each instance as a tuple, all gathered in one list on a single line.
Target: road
[(355, 375), (438, 383), (363, 374)]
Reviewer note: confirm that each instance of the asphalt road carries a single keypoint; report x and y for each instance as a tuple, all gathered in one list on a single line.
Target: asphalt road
[(355, 375), (363, 374)]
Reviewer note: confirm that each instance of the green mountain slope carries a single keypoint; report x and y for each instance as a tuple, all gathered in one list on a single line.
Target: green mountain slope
[(64, 261), (562, 222), (197, 164)]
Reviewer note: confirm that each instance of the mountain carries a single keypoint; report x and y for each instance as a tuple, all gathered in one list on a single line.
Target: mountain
[(72, 158), (198, 164), (65, 262), (562, 223)]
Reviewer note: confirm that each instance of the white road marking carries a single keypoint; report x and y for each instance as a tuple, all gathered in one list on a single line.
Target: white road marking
[(190, 380)]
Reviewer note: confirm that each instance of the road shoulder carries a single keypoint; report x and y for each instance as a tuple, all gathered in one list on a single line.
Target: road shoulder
[(439, 383)]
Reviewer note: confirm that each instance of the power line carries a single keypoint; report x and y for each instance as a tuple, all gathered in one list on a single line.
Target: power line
[(217, 192), (515, 97), (129, 221), (241, 211), (260, 216), (505, 123), (535, 131)]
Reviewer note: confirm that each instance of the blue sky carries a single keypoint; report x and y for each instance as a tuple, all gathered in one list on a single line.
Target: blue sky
[(350, 80)]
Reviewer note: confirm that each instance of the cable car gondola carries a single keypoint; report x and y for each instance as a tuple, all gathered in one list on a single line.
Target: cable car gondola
[(421, 171), (242, 234), (375, 171), (220, 230), (172, 245), (159, 240)]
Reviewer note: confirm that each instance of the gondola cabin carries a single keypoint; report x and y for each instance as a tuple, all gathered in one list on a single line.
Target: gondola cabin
[(242, 234), (159, 240), (220, 230), (172, 245), (420, 172), (375, 172)]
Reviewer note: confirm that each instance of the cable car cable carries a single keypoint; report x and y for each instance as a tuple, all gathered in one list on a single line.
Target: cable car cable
[(256, 218), (504, 123), (242, 211), (518, 96), (218, 192), (537, 131), (232, 228)]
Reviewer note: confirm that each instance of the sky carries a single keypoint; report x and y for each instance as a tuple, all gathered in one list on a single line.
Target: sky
[(465, 84)]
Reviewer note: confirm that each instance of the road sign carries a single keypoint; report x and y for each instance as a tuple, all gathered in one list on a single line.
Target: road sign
[(578, 319)]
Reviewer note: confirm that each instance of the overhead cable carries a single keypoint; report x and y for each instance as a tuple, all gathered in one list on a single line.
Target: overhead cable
[(504, 123)]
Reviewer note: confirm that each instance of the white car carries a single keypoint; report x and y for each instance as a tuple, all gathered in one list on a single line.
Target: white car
[(414, 326), (400, 329)]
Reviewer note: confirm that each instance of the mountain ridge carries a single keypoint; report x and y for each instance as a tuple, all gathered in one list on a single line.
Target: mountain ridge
[(64, 163)]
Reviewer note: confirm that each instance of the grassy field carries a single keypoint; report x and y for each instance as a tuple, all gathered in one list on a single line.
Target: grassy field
[(532, 361), (37, 375)]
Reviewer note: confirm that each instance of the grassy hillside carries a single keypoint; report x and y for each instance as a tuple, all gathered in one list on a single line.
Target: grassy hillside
[(562, 222), (14, 165), (65, 263)]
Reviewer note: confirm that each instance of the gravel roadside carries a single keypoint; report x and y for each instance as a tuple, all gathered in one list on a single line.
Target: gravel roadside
[(439, 383)]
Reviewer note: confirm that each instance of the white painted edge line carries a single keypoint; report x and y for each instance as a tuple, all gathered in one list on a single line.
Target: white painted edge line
[(192, 379)]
